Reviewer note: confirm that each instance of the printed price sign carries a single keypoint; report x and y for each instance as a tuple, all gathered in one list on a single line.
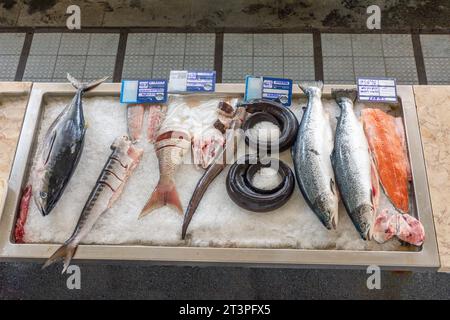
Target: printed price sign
[(192, 81), (277, 89), (144, 91), (377, 89)]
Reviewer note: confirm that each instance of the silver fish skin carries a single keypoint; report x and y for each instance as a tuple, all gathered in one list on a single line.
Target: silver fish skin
[(60, 152), (311, 155), (121, 163), (353, 166)]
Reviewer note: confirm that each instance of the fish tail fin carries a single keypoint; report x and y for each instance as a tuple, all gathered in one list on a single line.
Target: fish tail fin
[(308, 86), (81, 86), (65, 253), (341, 95), (165, 194)]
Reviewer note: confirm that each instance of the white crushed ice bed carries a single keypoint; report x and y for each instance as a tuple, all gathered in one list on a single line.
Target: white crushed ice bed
[(218, 222)]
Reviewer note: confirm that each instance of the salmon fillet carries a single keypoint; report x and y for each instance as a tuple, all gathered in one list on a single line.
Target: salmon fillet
[(387, 148)]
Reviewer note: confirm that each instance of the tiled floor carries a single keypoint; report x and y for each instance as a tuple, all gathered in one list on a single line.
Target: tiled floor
[(85, 56), (11, 45), (279, 55), (345, 56), (349, 56), (436, 53), (155, 54)]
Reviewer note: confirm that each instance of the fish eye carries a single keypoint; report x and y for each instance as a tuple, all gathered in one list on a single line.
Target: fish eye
[(43, 194)]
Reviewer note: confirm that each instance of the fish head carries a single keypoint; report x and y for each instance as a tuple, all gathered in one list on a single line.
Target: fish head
[(45, 196), (326, 208), (363, 218), (121, 142)]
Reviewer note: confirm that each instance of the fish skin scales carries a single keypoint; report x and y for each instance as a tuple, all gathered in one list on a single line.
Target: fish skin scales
[(311, 156), (353, 166)]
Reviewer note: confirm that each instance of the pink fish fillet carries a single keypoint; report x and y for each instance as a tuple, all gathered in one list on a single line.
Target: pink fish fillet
[(156, 115), (405, 227), (135, 115), (206, 146), (400, 129)]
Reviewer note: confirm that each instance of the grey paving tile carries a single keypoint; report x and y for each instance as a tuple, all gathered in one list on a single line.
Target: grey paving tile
[(237, 44), (8, 66), (98, 67), (437, 69), (103, 44), (200, 43), (331, 82), (268, 66), (39, 67), (137, 67), (336, 45), (74, 44), (198, 63), (369, 67), (298, 44), (164, 64), (141, 44), (436, 46), (170, 43), (299, 68), (397, 45), (237, 67), (338, 68), (404, 69), (38, 79), (11, 43), (367, 45), (45, 43), (267, 44), (69, 64), (59, 80)]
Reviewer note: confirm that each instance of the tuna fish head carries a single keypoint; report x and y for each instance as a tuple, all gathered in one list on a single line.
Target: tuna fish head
[(363, 219), (326, 209), (45, 197)]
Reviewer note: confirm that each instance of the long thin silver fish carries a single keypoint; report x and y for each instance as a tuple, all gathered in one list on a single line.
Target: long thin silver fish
[(60, 152), (118, 168), (311, 155), (355, 172)]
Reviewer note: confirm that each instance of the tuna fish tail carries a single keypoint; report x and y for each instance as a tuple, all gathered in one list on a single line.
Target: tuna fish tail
[(164, 194), (65, 253), (311, 86), (81, 86), (341, 95)]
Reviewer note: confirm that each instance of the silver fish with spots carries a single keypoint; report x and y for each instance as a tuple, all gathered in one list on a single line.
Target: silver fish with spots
[(118, 168), (311, 156), (356, 176)]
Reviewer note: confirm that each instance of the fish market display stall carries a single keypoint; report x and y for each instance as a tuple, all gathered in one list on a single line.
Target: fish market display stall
[(148, 227)]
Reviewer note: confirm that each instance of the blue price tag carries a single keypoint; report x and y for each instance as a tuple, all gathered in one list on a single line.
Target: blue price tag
[(277, 89), (144, 91), (192, 81), (377, 89)]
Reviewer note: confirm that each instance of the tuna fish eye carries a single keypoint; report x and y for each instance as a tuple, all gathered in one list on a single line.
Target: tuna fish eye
[(43, 194)]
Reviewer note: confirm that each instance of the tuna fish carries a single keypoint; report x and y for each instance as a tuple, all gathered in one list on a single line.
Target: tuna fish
[(60, 152), (118, 168), (356, 175), (311, 155), (171, 146)]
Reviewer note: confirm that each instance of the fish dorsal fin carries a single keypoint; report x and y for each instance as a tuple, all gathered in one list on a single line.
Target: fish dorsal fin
[(49, 147)]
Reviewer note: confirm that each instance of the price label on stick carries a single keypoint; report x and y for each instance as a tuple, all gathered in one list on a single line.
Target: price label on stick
[(144, 91), (277, 89), (192, 81), (377, 89)]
